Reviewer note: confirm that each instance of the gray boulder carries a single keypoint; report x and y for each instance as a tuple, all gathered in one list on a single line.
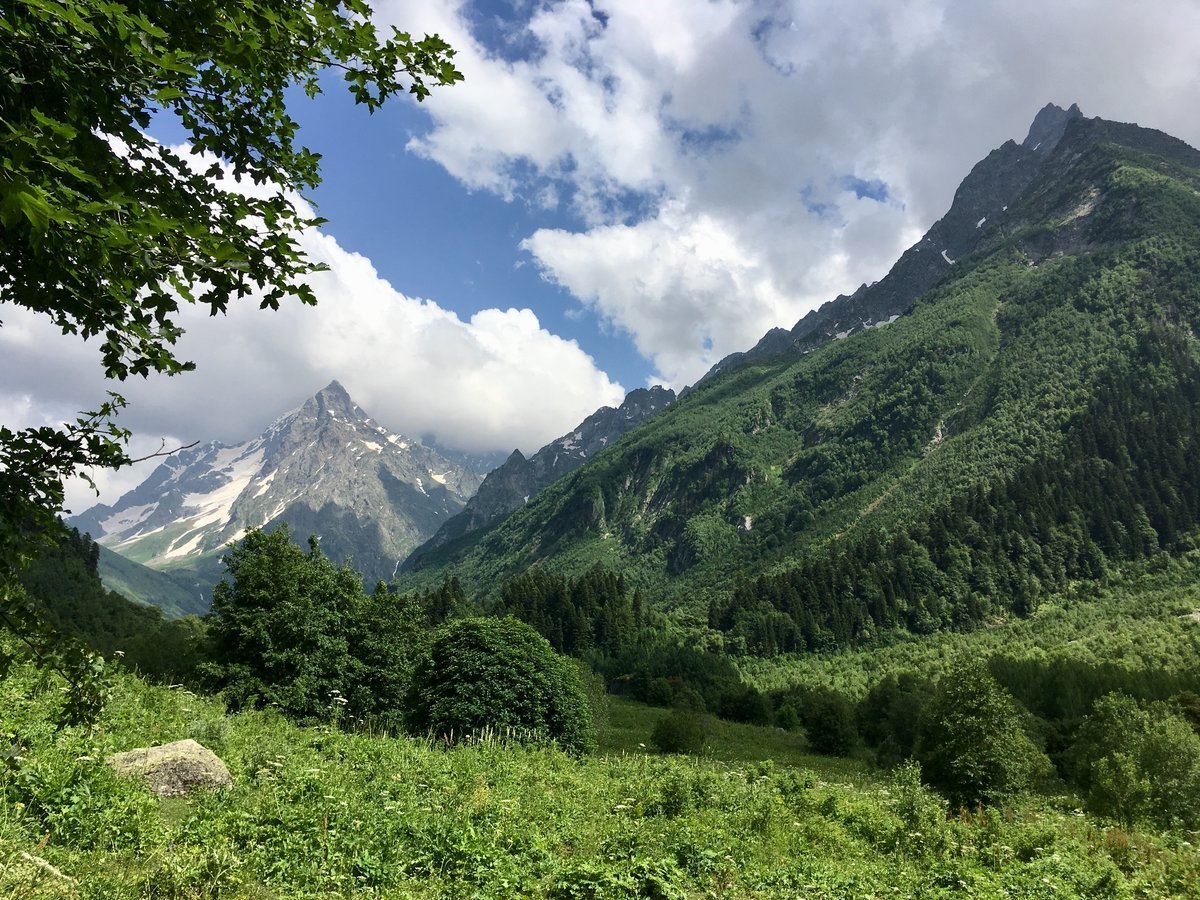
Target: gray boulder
[(173, 770)]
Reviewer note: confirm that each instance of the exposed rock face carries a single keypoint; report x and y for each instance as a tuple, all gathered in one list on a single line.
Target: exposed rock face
[(173, 770), (1048, 127), (511, 486), (326, 469), (980, 204)]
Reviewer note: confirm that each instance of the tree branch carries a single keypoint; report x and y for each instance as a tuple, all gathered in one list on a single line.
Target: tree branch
[(162, 452)]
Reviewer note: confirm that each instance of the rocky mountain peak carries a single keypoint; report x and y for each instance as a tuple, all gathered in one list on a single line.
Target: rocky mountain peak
[(332, 402), (981, 205), (326, 468), (334, 397), (1048, 127), (642, 401)]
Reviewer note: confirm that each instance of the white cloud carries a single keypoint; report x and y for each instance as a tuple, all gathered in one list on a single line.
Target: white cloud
[(675, 282), (686, 133)]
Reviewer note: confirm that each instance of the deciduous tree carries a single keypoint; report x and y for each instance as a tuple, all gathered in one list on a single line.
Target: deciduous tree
[(500, 674), (973, 744)]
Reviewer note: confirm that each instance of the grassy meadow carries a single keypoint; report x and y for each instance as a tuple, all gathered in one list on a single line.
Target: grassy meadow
[(323, 812)]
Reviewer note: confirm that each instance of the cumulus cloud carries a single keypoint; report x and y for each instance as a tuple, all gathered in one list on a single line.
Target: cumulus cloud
[(710, 149)]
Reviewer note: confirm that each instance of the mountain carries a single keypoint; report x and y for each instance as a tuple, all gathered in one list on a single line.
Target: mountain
[(326, 469), (980, 208), (64, 583), (510, 486), (1030, 415)]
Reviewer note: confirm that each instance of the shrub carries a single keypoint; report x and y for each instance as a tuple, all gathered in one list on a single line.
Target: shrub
[(596, 692), (828, 719), (745, 704), (682, 731), (787, 718), (688, 698), (498, 674), (922, 813)]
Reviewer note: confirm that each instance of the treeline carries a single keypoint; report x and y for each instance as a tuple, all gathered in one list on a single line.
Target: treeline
[(592, 614), (292, 631), (597, 618), (1128, 742), (1125, 483), (64, 584), (1126, 738)]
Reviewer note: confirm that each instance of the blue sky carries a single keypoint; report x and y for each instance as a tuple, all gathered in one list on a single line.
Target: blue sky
[(621, 192)]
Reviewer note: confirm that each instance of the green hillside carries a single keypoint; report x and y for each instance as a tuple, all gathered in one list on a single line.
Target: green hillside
[(150, 586), (1029, 421), (64, 583)]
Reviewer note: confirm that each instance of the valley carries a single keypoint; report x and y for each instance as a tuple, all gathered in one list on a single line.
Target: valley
[(900, 601), (323, 809)]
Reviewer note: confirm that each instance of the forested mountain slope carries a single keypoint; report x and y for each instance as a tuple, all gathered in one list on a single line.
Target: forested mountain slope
[(509, 486), (1032, 417), (63, 583)]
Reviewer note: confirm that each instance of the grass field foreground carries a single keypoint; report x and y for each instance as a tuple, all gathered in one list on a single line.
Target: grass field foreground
[(319, 812)]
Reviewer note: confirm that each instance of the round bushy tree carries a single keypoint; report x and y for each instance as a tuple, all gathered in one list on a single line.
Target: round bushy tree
[(828, 718), (485, 673), (973, 746), (1137, 762), (682, 731)]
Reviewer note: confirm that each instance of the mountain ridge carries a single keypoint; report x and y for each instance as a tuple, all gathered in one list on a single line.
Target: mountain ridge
[(951, 466), (512, 484), (986, 193)]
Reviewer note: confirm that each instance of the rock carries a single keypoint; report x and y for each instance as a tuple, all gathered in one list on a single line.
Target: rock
[(173, 770)]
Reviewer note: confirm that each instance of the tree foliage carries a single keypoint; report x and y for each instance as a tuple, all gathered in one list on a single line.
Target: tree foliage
[(1138, 763), (292, 630), (106, 229), (680, 731), (594, 614), (498, 674), (973, 744)]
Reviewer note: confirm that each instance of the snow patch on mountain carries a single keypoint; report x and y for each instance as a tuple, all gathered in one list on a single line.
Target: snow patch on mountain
[(128, 518), (214, 506), (326, 468)]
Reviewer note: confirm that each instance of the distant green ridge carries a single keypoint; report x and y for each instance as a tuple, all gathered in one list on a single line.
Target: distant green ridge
[(169, 593)]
